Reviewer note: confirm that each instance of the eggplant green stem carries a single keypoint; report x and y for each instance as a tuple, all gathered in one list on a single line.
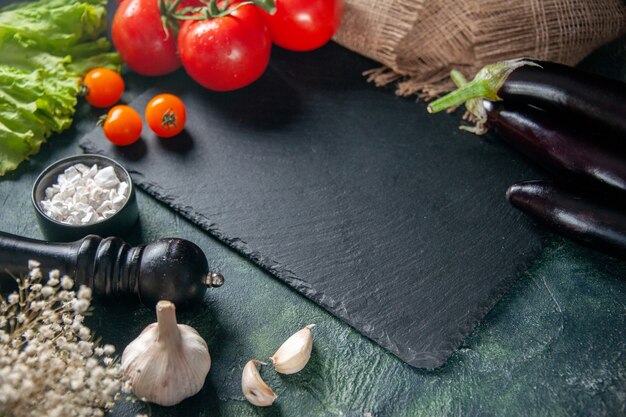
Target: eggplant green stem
[(475, 110), (458, 78), (486, 84)]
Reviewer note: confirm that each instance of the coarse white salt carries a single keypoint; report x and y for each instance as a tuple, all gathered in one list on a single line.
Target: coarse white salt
[(85, 195)]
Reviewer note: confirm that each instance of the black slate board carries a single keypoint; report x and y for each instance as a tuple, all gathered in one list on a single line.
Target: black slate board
[(390, 218)]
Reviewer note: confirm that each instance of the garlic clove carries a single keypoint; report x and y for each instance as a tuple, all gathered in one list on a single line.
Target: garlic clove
[(293, 355), (167, 362), (256, 391)]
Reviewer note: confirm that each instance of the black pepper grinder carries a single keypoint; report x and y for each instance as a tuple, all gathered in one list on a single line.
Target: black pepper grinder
[(168, 269)]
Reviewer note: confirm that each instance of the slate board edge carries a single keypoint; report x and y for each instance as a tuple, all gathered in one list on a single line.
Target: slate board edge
[(422, 360)]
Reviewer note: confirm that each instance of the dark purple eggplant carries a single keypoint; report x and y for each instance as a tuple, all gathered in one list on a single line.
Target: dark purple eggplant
[(567, 150), (548, 86), (571, 215)]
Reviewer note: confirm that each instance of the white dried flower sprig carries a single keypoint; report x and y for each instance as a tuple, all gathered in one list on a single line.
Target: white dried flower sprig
[(49, 363)]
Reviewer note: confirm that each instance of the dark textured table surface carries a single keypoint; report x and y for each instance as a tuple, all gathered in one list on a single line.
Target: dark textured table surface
[(554, 345), (345, 192)]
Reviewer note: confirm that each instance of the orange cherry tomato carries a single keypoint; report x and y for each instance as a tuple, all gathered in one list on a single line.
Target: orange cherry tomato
[(103, 87), (166, 115), (122, 125)]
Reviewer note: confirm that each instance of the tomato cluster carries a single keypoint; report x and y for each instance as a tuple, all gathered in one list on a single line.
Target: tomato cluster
[(122, 125), (165, 115), (222, 45)]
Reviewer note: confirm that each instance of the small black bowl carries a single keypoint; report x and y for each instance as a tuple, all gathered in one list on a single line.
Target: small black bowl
[(119, 224)]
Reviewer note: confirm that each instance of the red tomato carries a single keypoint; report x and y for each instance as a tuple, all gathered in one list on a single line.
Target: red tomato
[(103, 87), (122, 125), (139, 38), (166, 115), (304, 25), (228, 52)]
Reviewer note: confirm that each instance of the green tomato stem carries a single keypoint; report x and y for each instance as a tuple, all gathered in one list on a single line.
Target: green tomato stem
[(212, 10), (167, 8)]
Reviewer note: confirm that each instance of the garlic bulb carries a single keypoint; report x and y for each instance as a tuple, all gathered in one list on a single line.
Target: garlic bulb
[(293, 355), (167, 362), (256, 391)]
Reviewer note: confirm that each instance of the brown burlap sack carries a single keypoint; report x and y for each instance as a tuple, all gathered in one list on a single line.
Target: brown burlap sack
[(419, 41)]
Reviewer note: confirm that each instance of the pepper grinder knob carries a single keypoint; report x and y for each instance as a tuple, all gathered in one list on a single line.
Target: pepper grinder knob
[(175, 270)]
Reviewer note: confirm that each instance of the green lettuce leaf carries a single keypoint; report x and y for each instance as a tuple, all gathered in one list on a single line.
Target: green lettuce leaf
[(46, 47)]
